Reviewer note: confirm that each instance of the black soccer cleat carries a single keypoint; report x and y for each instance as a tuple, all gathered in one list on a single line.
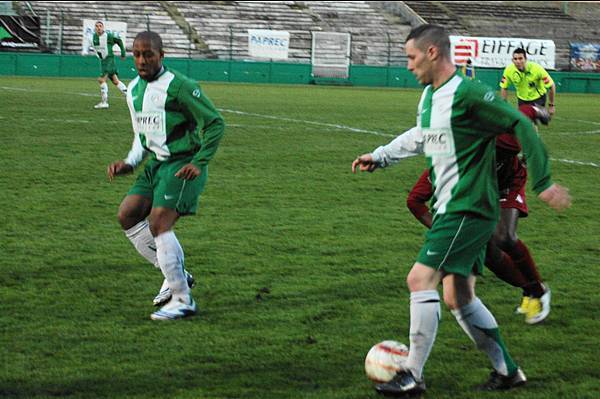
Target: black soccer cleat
[(541, 114), (498, 382), (402, 385)]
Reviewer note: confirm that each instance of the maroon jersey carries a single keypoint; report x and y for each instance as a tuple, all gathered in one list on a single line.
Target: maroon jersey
[(419, 195)]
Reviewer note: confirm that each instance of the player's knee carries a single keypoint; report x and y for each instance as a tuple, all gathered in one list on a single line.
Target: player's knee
[(457, 299), (506, 241), (450, 301), (415, 282), (128, 217), (162, 220), (155, 228)]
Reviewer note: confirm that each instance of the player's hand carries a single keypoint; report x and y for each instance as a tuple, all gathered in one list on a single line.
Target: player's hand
[(551, 110), (556, 197), (118, 168), (364, 163), (188, 172)]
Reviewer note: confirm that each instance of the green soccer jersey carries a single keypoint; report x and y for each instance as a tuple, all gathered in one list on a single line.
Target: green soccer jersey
[(104, 44), (172, 119), (456, 128)]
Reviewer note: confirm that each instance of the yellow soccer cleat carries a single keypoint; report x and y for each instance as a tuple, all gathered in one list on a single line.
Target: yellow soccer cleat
[(522, 308), (538, 308)]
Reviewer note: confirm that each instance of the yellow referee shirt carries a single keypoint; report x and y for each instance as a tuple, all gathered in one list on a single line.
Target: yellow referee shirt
[(530, 84)]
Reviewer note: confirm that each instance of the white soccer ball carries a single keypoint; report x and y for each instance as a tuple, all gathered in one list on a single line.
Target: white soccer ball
[(384, 360)]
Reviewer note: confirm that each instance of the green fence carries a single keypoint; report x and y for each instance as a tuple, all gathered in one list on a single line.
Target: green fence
[(258, 72)]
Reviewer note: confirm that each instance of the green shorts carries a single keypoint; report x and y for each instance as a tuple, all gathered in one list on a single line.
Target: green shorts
[(159, 183), (456, 243), (108, 67)]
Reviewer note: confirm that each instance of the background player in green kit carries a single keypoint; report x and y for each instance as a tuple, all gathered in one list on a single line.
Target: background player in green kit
[(457, 122), (178, 126), (103, 42)]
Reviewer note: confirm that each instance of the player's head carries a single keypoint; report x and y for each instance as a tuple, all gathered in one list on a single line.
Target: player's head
[(519, 58), (99, 27), (148, 54), (426, 46)]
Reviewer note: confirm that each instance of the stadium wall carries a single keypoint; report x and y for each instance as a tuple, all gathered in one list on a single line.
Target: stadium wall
[(52, 65)]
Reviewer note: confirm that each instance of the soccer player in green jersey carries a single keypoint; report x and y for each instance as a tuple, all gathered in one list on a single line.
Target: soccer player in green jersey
[(457, 122), (103, 42), (177, 125), (531, 82)]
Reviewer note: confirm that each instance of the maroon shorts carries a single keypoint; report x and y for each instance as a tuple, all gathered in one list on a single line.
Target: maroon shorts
[(512, 195)]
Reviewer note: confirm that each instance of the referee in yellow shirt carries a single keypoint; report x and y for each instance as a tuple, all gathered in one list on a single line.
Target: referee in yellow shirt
[(531, 81)]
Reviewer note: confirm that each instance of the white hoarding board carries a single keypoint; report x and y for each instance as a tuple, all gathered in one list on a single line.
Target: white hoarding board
[(496, 52), (273, 44)]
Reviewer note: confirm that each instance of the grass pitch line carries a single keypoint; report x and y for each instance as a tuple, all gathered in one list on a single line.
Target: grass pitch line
[(576, 120), (572, 133), (57, 92), (314, 123), (352, 129), (595, 165), (333, 125)]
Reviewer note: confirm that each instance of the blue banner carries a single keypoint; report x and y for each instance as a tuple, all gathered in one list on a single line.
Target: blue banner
[(585, 57)]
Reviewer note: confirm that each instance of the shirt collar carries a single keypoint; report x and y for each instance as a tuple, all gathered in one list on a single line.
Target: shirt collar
[(161, 72)]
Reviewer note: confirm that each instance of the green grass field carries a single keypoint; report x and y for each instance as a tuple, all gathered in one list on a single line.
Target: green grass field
[(300, 264)]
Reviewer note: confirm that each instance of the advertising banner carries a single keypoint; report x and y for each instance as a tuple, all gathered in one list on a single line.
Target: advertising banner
[(496, 52), (118, 28), (273, 44), (20, 33), (585, 57)]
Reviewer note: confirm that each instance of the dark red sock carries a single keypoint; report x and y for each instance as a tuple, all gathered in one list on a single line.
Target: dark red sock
[(524, 262), (505, 269)]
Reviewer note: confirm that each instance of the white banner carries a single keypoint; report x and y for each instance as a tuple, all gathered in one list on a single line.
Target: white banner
[(89, 26), (496, 52), (263, 43)]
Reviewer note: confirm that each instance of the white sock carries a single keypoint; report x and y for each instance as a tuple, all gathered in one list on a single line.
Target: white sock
[(480, 325), (104, 92), (425, 314), (142, 240), (122, 87), (170, 259)]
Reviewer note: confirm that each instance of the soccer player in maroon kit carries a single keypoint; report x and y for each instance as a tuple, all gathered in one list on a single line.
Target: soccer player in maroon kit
[(506, 256)]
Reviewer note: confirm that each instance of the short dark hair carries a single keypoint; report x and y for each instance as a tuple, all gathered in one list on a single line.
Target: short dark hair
[(153, 37), (520, 50), (427, 35)]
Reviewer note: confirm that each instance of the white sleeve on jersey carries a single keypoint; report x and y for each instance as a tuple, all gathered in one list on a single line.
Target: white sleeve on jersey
[(408, 144), (137, 152)]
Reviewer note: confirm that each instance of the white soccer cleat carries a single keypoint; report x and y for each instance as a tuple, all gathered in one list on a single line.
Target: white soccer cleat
[(542, 114), (538, 309), (176, 309), (164, 295), (101, 106)]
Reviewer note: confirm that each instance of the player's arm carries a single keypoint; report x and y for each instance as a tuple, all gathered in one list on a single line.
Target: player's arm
[(418, 197), (549, 84), (504, 83), (119, 42), (408, 144), (551, 95), (135, 156), (499, 116), (211, 124)]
